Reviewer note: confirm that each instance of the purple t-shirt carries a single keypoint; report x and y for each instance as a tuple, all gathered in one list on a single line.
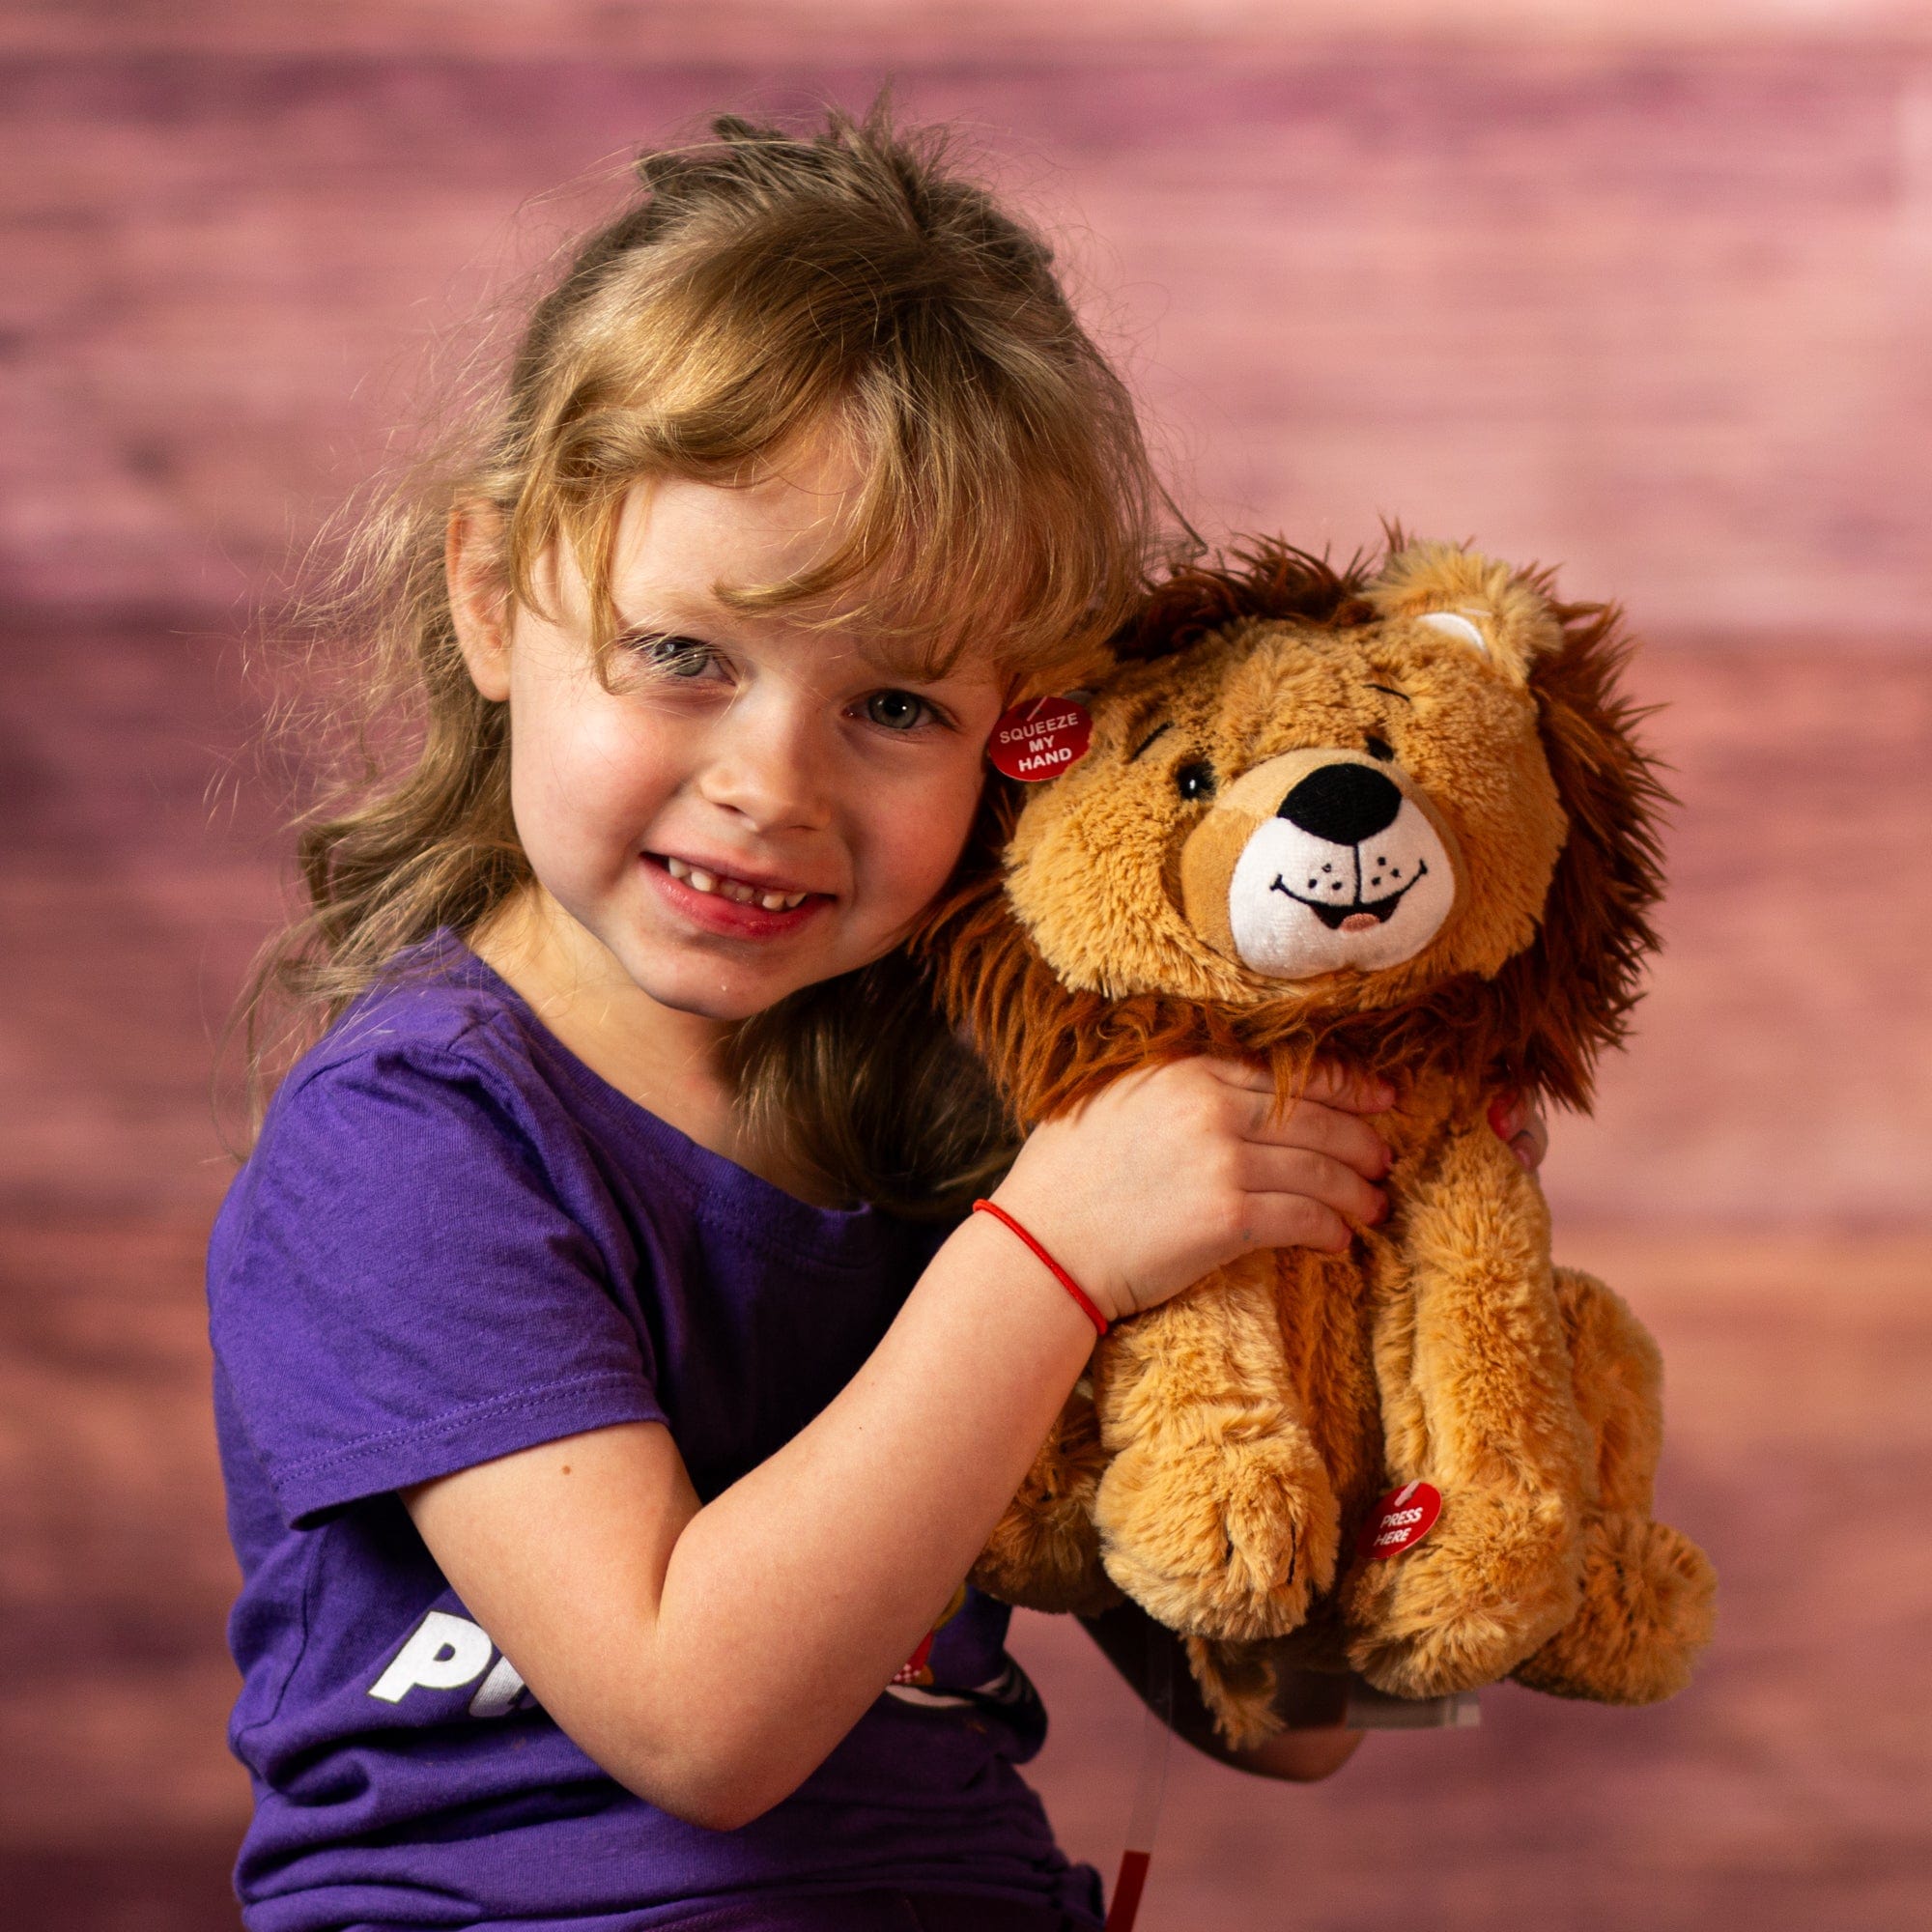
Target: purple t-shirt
[(454, 1241)]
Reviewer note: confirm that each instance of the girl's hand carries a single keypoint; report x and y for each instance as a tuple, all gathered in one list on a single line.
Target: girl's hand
[(1520, 1123), (1170, 1174)]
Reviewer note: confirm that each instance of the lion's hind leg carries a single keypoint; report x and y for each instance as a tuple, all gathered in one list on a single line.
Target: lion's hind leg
[(1648, 1591), (1646, 1613)]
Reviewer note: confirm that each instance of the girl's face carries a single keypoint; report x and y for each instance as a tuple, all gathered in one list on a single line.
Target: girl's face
[(743, 807)]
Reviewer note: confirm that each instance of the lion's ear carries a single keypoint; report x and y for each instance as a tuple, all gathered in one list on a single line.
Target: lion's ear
[(1471, 598)]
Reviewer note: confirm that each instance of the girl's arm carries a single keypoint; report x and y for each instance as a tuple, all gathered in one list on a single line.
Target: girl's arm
[(710, 1657)]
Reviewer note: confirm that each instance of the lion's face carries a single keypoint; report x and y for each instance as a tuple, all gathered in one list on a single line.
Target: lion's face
[(1340, 815)]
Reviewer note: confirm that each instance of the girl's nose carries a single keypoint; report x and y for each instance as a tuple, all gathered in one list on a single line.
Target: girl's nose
[(768, 765)]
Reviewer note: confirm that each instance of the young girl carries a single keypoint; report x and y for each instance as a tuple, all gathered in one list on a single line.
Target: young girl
[(602, 1431)]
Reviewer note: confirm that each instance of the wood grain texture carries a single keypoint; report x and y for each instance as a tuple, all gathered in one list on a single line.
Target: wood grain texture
[(1652, 308), (1634, 288), (784, 29)]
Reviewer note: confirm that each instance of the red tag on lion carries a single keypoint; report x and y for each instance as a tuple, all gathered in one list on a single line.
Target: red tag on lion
[(1401, 1519), (1037, 741)]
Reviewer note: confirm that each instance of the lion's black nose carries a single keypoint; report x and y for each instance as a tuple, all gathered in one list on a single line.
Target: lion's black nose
[(1343, 804)]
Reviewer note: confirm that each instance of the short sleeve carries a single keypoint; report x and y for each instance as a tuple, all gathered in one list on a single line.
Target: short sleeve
[(399, 1288)]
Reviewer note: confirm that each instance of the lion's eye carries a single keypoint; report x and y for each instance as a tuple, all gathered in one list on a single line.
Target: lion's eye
[(1195, 780), (1377, 748)]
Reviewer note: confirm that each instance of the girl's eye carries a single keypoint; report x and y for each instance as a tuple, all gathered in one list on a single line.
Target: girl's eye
[(674, 657), (896, 710), (1195, 780)]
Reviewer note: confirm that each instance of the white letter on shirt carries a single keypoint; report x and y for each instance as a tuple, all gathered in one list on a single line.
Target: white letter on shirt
[(443, 1652), (498, 1691)]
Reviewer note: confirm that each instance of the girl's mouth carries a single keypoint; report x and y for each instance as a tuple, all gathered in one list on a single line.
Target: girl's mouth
[(736, 890), (723, 904)]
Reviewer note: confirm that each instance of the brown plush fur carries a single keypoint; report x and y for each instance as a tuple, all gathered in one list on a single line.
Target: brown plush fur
[(1538, 1024), (1228, 1447)]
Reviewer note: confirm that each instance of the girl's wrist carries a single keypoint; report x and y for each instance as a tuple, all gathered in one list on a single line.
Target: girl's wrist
[(1040, 1253), (1019, 1260), (1066, 1261)]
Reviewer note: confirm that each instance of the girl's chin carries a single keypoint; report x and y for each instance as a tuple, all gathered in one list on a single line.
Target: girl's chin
[(695, 974), (724, 998)]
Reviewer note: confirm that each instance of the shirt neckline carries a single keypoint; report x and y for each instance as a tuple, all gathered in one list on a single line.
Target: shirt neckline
[(717, 1181)]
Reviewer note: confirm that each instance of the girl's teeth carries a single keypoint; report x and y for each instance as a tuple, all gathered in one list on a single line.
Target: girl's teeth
[(732, 889)]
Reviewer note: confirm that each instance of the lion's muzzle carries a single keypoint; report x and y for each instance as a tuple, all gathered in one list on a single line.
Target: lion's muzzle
[(1316, 861)]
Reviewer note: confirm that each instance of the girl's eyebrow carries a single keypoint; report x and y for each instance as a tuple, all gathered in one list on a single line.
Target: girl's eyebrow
[(1165, 725), (880, 660), (662, 616)]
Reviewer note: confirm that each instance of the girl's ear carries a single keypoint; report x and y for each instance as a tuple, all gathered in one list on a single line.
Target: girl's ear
[(479, 603)]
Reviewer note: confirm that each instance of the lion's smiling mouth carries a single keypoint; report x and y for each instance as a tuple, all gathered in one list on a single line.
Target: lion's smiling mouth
[(1360, 916), (1360, 886)]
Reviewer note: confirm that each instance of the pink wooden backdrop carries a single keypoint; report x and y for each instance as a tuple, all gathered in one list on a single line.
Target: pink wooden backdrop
[(1639, 292)]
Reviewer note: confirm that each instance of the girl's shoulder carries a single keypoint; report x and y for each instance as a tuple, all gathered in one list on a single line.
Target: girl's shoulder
[(425, 1261), (453, 1240), (434, 1107), (437, 1055), (435, 1005), (441, 1088)]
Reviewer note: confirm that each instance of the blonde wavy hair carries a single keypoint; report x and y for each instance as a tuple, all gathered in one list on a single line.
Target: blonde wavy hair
[(761, 287)]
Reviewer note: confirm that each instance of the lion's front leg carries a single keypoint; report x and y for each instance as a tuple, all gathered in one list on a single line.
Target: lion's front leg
[(1044, 1552), (1477, 1398), (1216, 1514)]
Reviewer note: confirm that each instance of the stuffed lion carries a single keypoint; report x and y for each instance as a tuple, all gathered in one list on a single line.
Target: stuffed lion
[(1397, 821)]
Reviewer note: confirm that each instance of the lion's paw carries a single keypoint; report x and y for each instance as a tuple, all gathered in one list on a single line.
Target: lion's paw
[(1219, 1538)]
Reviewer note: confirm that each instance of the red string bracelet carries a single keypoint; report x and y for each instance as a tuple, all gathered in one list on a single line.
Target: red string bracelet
[(1052, 1267)]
